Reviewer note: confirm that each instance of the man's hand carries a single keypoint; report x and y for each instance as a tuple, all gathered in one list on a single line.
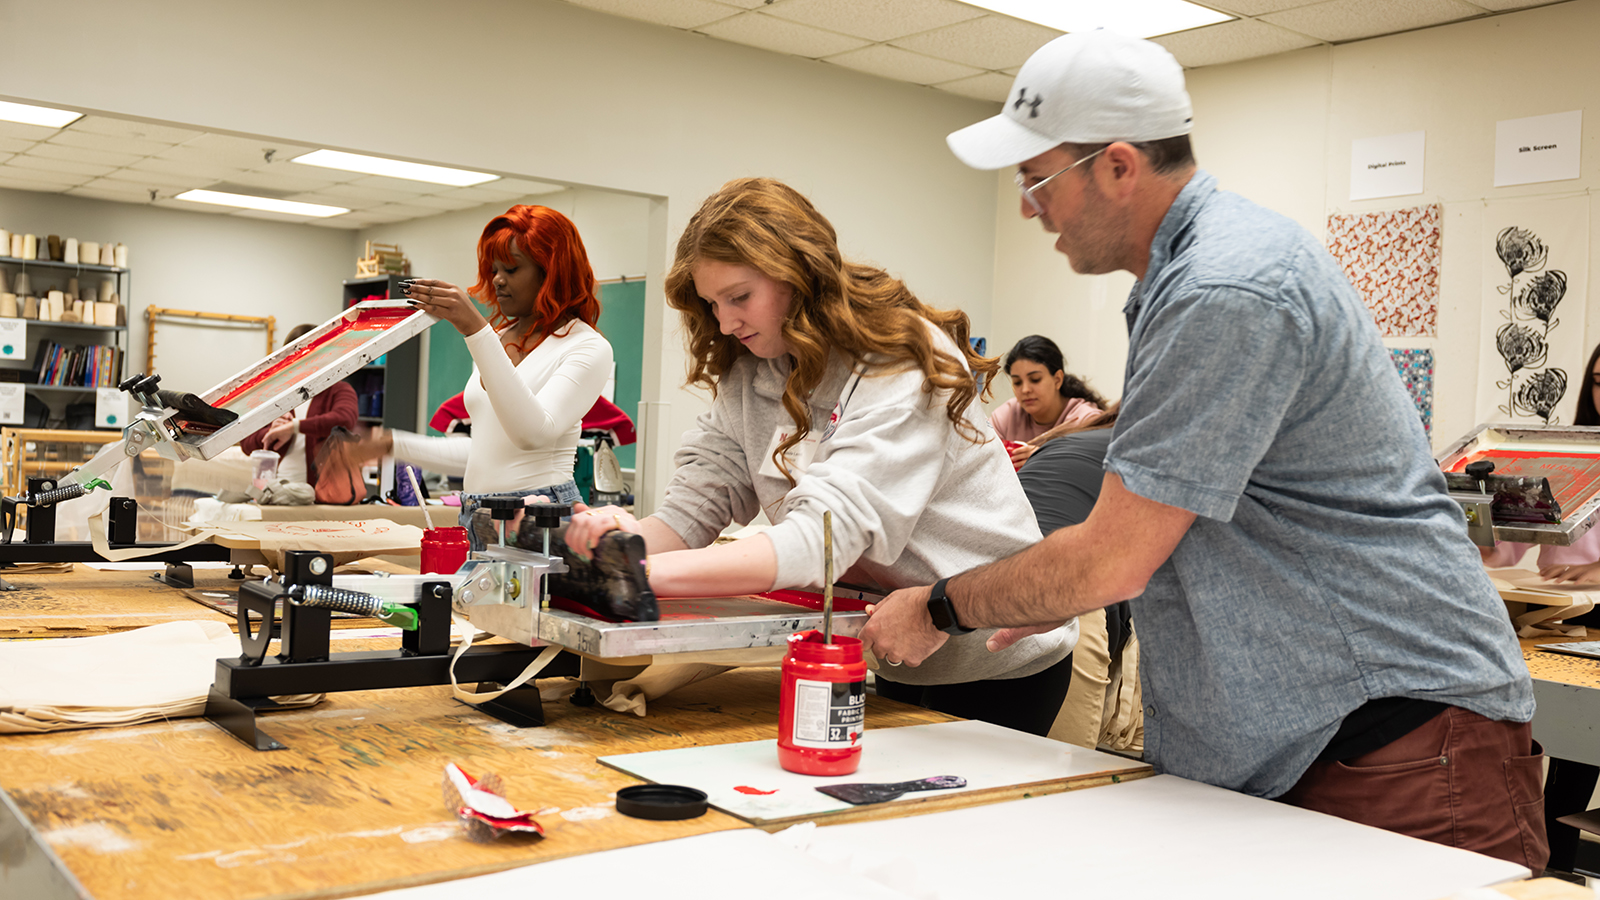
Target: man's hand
[(900, 630)]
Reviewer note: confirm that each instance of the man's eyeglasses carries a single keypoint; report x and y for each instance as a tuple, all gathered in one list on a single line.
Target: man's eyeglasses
[(1027, 189)]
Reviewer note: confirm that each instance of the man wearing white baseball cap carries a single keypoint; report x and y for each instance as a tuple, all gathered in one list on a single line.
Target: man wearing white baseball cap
[(1315, 625)]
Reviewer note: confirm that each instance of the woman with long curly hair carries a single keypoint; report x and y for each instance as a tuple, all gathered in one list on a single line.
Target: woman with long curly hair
[(836, 389), (538, 362)]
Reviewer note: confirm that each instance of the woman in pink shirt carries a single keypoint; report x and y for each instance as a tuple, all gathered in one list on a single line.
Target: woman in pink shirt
[(1046, 399)]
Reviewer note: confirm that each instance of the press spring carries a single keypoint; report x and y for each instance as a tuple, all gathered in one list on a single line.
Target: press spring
[(338, 599), (55, 495)]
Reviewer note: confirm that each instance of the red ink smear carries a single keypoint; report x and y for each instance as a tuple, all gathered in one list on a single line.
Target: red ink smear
[(746, 789)]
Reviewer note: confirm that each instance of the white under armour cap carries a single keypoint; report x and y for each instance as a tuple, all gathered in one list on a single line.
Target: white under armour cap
[(1091, 87)]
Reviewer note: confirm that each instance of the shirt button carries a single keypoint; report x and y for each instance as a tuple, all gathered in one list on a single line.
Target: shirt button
[(1150, 711)]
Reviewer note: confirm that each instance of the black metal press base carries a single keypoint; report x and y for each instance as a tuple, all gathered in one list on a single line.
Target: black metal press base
[(245, 685)]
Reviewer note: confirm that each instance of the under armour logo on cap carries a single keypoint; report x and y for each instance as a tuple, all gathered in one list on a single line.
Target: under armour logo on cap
[(1033, 105)]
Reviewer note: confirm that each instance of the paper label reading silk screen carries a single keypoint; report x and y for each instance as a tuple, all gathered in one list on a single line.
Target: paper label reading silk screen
[(829, 715)]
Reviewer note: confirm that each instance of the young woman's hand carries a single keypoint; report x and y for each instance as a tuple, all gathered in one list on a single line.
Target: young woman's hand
[(1571, 574), (373, 446), (448, 302), (586, 526)]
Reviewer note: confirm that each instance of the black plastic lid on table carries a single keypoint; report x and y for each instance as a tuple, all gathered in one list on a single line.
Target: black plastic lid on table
[(661, 801)]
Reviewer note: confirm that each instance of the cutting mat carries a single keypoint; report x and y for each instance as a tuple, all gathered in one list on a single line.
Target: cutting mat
[(998, 763)]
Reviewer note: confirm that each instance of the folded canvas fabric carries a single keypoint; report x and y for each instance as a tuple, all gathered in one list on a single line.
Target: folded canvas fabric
[(1539, 607), (162, 672)]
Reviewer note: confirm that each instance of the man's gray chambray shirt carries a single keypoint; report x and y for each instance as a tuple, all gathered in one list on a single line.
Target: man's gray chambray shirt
[(1326, 565)]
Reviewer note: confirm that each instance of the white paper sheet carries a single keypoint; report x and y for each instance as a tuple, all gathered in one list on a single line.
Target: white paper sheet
[(1538, 148), (1110, 841), (987, 756), (1387, 166)]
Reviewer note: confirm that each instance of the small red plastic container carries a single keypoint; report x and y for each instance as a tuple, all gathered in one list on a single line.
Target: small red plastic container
[(821, 711), (444, 550)]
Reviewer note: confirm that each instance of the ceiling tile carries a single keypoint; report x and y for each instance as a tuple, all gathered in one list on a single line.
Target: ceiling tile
[(333, 200), (1256, 7), (1352, 20), (18, 184), (25, 132), (192, 171), (1230, 42), (237, 159), (287, 179), (747, 4), (166, 134), (676, 13), (438, 203), (227, 143), (781, 35), (74, 167), (15, 145), (384, 215), (523, 186), (94, 193), (992, 42), (409, 210), (902, 65), (879, 20), (112, 143), (404, 187), (40, 179), (374, 195), (988, 86), (160, 179), (343, 222), (52, 150), (483, 193)]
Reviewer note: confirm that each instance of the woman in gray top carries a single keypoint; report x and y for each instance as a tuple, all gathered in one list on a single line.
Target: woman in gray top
[(837, 389)]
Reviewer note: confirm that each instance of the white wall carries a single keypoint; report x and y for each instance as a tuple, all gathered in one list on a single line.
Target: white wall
[(1278, 130), (197, 261), (547, 90)]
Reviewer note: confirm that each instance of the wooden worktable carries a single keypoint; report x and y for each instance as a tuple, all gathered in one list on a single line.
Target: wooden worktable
[(354, 805)]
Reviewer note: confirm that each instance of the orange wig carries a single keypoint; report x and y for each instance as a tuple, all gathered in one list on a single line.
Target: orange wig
[(552, 242)]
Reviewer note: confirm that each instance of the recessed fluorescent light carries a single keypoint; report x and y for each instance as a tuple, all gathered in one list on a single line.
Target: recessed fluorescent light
[(267, 204), (37, 115), (1137, 18), (393, 168)]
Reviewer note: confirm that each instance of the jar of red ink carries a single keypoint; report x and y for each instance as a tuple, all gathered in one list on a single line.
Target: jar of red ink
[(822, 708)]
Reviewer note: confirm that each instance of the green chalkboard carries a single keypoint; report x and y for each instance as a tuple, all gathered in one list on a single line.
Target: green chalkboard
[(621, 321)]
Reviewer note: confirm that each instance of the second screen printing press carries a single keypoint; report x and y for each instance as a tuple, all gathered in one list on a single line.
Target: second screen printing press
[(501, 590)]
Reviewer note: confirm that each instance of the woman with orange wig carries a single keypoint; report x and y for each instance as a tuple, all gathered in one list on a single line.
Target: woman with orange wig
[(538, 362)]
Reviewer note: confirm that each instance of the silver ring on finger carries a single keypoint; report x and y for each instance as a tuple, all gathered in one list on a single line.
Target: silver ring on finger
[(892, 662)]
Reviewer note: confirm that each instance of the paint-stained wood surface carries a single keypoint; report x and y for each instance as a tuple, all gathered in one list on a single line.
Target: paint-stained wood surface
[(355, 804), (1560, 667)]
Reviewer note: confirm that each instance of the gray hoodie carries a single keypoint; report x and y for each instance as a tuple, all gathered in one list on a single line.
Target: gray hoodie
[(913, 501)]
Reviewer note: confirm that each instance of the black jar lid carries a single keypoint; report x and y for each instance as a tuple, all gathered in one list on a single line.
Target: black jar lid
[(661, 801)]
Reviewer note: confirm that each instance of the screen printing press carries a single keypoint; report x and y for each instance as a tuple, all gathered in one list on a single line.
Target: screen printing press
[(1530, 484)]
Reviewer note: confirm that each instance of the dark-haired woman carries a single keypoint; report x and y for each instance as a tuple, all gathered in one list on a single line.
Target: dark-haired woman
[(1046, 398), (836, 389), (538, 363)]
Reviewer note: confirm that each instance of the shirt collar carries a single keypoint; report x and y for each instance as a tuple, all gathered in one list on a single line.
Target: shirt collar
[(1183, 210)]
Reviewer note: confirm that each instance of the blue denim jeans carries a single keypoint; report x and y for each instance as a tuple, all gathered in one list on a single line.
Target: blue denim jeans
[(566, 492)]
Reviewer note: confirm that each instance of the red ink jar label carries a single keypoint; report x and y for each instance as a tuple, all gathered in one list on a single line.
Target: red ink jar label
[(829, 715)]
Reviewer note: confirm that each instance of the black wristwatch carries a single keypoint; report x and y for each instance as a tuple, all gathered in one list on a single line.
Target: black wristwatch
[(943, 611)]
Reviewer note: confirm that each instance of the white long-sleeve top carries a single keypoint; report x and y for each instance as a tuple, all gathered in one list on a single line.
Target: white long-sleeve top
[(913, 500), (526, 418)]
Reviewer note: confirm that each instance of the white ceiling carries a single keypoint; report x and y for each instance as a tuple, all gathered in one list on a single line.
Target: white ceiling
[(965, 50), (135, 162), (947, 45)]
